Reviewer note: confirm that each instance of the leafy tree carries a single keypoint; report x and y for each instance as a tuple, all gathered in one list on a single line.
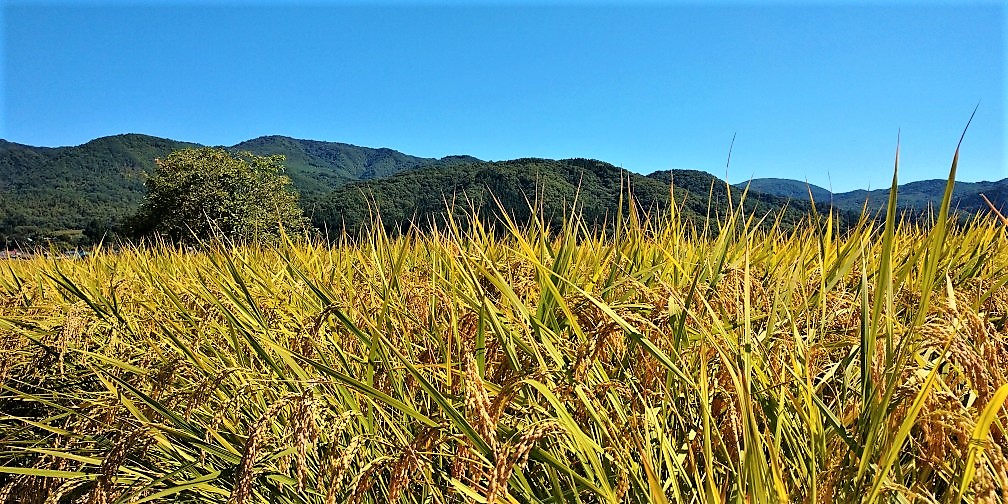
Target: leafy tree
[(205, 192)]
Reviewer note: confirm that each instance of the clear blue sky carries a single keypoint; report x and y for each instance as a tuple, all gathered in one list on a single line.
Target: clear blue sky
[(807, 89)]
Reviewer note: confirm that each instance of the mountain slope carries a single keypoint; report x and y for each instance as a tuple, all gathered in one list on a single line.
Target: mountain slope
[(80, 193), (88, 187), (46, 192), (316, 168), (423, 195), (917, 197), (786, 188)]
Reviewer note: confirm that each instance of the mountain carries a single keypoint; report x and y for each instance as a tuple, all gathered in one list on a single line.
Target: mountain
[(916, 197), (420, 195), (75, 193), (787, 188), (64, 191), (316, 168)]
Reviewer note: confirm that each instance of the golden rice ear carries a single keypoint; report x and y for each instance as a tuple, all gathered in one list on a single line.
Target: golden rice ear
[(516, 454), (253, 446), (478, 405), (104, 490)]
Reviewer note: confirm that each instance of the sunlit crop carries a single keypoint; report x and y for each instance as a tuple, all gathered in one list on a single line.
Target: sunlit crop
[(663, 361)]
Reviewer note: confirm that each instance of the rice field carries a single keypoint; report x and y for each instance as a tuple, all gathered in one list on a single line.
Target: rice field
[(662, 361)]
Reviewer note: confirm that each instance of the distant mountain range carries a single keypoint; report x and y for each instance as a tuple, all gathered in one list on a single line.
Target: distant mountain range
[(316, 168), (912, 196), (425, 194), (80, 193)]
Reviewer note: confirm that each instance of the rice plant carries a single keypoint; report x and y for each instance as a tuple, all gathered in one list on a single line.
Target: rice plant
[(659, 361)]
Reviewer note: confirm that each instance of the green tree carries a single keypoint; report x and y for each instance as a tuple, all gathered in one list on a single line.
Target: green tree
[(207, 192)]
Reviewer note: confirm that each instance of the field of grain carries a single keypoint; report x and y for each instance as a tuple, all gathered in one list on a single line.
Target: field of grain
[(662, 361)]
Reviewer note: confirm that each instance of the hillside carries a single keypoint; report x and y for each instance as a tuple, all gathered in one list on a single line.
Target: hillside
[(78, 194), (787, 188), (420, 195), (316, 168), (46, 192), (914, 196), (65, 192)]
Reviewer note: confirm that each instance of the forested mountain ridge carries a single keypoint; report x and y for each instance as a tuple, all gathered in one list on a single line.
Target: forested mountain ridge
[(64, 192), (317, 167), (422, 196), (787, 188), (915, 197), (80, 193)]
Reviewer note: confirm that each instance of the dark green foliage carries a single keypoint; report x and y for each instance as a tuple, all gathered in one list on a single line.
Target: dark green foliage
[(90, 188), (788, 188), (423, 196), (206, 192), (915, 198), (95, 186), (81, 194), (316, 168)]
